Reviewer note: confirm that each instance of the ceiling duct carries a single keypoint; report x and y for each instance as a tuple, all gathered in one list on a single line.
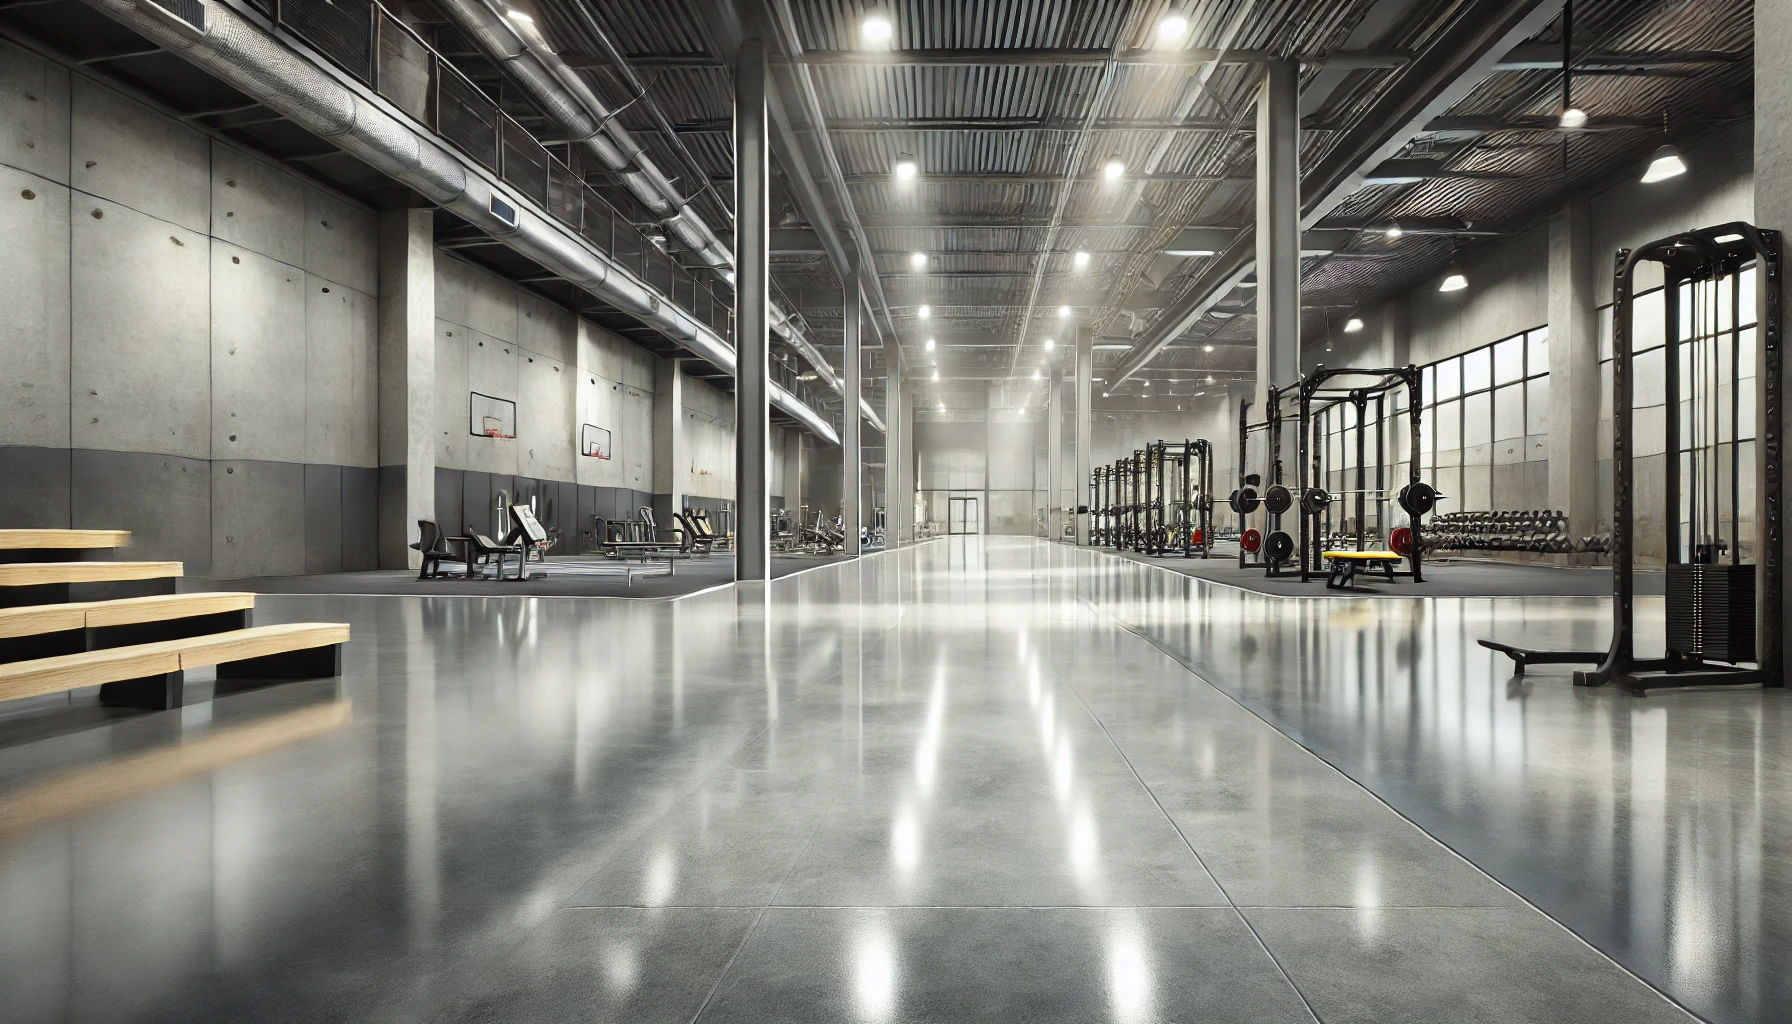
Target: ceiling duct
[(249, 59)]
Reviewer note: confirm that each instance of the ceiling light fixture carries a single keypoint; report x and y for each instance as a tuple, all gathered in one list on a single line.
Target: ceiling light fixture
[(1574, 117), (1147, 383), (1172, 29), (1113, 169), (1210, 378), (1207, 348), (905, 169), (917, 260), (1666, 163), (1454, 281), (1394, 231), (930, 344), (515, 15), (1188, 252), (924, 312), (1353, 325), (1081, 259), (876, 29), (1104, 394), (1063, 311), (1050, 344), (936, 375), (1035, 374)]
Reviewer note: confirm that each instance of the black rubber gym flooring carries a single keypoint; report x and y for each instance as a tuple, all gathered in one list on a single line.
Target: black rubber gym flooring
[(1460, 578), (689, 577)]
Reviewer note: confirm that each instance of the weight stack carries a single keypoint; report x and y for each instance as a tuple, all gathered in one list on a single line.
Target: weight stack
[(1711, 611)]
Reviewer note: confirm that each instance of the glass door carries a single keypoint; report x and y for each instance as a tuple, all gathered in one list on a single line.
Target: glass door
[(964, 517)]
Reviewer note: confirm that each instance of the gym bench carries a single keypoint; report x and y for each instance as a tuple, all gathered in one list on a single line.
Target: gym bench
[(1347, 565)]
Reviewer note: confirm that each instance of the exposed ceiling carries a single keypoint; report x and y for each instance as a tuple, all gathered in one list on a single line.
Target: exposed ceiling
[(1010, 109)]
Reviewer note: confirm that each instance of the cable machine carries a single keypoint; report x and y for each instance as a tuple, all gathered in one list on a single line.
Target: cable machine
[(1722, 613)]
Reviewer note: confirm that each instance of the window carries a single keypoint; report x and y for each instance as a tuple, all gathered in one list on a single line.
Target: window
[(1486, 418)]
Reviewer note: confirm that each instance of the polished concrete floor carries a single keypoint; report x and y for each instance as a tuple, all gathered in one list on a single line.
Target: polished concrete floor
[(973, 780)]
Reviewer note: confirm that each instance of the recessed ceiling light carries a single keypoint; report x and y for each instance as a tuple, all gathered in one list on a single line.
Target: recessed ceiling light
[(1574, 117), (1394, 231), (1207, 348), (1050, 344), (1035, 374), (905, 170), (1081, 259), (1247, 284), (515, 15), (1113, 169), (1147, 383), (1210, 378), (917, 260), (1172, 29), (1104, 394), (924, 312), (930, 344), (936, 375), (876, 29), (1063, 311), (1353, 325), (1188, 252)]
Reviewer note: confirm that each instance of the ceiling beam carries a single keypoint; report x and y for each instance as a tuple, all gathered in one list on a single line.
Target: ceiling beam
[(1548, 57), (1085, 57), (1407, 172)]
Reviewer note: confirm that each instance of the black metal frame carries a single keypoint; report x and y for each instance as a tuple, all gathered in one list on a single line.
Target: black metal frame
[(1689, 256), (1194, 457), (1311, 467)]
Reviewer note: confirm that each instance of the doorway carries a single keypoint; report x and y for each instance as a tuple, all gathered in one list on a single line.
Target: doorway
[(963, 516)]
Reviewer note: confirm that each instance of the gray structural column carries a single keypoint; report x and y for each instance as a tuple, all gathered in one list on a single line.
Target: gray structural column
[(1085, 420), (905, 496), (1278, 226), (1054, 456), (852, 477), (1573, 368), (669, 455), (1773, 166), (407, 386), (752, 262), (792, 484), (892, 449), (1396, 332)]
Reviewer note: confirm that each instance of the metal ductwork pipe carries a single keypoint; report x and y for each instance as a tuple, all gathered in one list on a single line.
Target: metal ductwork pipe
[(244, 56), (565, 97)]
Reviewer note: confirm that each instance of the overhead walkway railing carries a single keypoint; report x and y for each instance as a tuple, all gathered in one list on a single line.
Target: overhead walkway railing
[(589, 242)]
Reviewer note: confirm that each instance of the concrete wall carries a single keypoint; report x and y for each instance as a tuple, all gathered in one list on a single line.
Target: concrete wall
[(563, 373), (191, 346), (1509, 293)]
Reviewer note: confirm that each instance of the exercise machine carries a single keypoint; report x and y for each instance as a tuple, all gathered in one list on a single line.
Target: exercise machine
[(1722, 613)]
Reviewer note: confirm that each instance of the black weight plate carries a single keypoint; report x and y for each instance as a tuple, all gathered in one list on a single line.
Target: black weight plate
[(1278, 499), (1249, 500), (1279, 547), (1314, 500), (1418, 499)]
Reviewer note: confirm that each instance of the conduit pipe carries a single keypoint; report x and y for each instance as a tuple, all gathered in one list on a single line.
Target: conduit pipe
[(565, 97), (248, 58)]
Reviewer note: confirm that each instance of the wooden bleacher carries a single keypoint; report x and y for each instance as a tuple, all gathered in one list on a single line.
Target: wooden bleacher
[(136, 649)]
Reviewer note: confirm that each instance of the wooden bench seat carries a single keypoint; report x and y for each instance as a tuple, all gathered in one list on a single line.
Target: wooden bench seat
[(29, 583), (61, 545), (67, 538), (151, 675), (41, 631)]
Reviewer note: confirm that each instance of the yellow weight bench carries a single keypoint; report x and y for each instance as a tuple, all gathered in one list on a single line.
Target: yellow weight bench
[(1346, 565)]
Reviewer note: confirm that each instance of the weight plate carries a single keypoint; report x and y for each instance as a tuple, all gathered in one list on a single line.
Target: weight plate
[(1400, 541), (1278, 499), (1249, 500), (1279, 547), (1418, 499), (1313, 500), (1250, 541)]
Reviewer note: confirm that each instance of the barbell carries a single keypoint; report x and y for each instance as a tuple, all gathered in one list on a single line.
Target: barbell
[(1417, 499)]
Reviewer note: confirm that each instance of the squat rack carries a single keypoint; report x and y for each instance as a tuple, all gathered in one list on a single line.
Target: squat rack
[(1168, 520), (1416, 497), (1719, 616)]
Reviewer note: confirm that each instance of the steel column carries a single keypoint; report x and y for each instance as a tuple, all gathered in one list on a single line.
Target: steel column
[(752, 258), (1278, 227), (1085, 368), (852, 486), (1054, 457)]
